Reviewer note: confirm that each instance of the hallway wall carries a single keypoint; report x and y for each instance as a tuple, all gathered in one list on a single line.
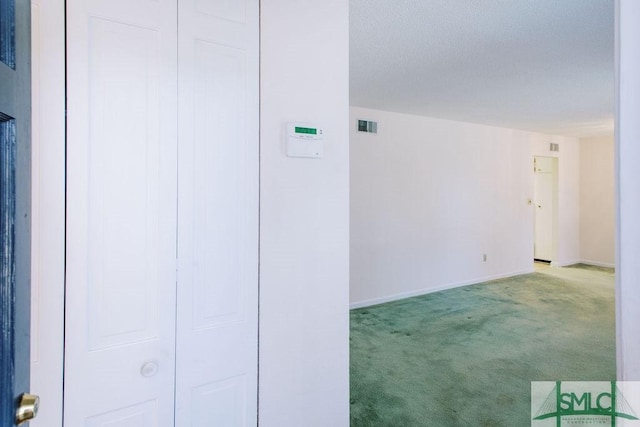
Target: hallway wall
[(304, 217), (597, 201)]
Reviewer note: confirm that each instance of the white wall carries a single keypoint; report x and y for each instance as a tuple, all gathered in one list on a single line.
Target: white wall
[(597, 201), (628, 188), (429, 197), (304, 210)]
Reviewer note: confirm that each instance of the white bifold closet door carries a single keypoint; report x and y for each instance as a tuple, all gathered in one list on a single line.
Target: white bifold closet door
[(162, 213), (216, 381)]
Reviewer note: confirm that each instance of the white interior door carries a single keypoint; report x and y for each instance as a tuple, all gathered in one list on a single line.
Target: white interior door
[(217, 336), (121, 213), (544, 185)]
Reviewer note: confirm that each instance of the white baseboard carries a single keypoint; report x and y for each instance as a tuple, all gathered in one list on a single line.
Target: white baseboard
[(597, 263), (565, 263), (403, 295), (581, 261)]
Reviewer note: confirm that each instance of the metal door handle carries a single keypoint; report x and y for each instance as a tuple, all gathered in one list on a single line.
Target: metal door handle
[(28, 408)]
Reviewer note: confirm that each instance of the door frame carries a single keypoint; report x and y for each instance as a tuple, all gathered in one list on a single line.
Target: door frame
[(48, 198), (555, 204)]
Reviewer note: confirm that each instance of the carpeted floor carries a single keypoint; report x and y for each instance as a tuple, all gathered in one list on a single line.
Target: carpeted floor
[(467, 356)]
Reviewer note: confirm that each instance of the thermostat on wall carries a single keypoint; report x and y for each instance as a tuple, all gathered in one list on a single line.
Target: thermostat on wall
[(304, 140)]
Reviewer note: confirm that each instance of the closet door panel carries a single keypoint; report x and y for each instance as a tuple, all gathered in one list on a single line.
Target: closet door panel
[(121, 213), (217, 337)]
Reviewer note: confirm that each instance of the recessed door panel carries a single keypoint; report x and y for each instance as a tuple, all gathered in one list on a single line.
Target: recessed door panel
[(223, 401), (124, 189), (143, 414), (220, 213), (232, 10)]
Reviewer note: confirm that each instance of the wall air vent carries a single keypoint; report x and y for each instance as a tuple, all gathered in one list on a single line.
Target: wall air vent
[(554, 147), (367, 126)]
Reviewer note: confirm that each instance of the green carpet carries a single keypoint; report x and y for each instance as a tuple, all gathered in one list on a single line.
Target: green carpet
[(467, 356)]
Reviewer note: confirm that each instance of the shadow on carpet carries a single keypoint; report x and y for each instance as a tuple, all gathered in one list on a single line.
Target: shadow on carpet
[(467, 356)]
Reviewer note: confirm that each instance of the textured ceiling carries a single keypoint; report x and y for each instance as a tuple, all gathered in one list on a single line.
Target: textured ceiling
[(539, 65)]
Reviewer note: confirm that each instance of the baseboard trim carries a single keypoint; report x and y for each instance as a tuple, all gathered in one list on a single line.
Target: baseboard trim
[(597, 263), (565, 263), (425, 291)]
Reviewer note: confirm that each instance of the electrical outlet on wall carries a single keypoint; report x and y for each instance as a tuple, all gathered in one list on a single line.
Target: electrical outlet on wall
[(484, 257)]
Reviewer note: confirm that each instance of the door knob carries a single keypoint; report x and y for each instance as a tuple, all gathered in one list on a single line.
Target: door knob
[(28, 408)]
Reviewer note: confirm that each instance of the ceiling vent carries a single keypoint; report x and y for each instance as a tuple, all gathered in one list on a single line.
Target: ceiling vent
[(367, 126), (554, 147)]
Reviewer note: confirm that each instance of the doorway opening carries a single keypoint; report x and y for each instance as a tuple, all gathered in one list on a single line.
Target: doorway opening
[(545, 191)]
